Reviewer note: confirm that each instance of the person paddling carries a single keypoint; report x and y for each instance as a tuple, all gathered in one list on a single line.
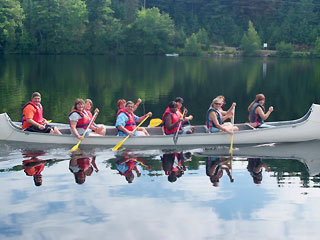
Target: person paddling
[(186, 119), (99, 128), (171, 119), (257, 113), (215, 120), (32, 117), (126, 121), (79, 120)]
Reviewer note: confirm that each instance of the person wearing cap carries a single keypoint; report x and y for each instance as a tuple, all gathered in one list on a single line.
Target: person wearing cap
[(126, 121), (215, 121), (186, 119), (32, 117)]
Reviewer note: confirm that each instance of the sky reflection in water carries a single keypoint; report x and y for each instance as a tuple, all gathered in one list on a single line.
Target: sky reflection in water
[(283, 206)]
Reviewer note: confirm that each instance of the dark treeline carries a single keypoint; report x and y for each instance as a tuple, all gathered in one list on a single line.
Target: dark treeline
[(152, 26)]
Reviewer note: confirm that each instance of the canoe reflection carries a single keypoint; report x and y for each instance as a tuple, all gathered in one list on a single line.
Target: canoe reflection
[(215, 166), (82, 165), (173, 164)]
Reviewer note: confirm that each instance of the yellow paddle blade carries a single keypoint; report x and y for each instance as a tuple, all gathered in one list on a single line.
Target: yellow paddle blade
[(75, 147), (155, 122), (49, 121), (116, 147)]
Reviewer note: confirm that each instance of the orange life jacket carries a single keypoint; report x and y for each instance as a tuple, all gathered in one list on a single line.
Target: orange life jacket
[(38, 116)]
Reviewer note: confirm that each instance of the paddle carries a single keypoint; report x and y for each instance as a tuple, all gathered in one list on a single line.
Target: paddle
[(232, 122), (75, 147), (176, 134), (116, 147), (155, 122)]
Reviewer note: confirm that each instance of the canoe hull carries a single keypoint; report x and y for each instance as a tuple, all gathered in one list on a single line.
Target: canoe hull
[(304, 129)]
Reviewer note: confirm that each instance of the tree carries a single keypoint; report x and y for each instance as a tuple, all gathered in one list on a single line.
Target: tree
[(192, 46), (251, 42), (317, 47), (152, 33), (104, 31), (203, 39), (284, 49), (11, 17)]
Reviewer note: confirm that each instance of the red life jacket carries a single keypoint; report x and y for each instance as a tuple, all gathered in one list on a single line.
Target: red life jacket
[(131, 123), (131, 163), (84, 121), (174, 118), (89, 113), (38, 116)]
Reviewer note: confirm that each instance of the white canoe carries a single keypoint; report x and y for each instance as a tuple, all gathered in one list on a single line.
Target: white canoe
[(306, 128)]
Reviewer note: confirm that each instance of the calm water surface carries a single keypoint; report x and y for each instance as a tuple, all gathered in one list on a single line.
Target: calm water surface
[(269, 191)]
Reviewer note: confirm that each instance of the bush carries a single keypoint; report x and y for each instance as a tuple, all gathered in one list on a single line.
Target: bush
[(192, 46), (284, 49)]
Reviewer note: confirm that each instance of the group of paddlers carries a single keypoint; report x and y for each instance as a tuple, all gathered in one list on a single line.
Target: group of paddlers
[(174, 120)]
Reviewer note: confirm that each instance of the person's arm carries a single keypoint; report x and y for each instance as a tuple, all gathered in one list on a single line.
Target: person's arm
[(263, 115), (93, 162), (168, 122), (139, 119), (73, 127), (214, 118), (34, 123), (137, 104)]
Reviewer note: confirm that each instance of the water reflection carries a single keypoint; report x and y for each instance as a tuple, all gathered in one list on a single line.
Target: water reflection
[(173, 164), (34, 166), (126, 165), (215, 166), (255, 167), (82, 164)]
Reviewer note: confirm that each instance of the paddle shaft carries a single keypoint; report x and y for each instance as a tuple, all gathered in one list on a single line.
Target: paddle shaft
[(232, 122), (115, 148), (87, 129), (176, 134)]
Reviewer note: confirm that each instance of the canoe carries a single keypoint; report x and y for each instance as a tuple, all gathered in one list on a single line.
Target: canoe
[(306, 128), (305, 152)]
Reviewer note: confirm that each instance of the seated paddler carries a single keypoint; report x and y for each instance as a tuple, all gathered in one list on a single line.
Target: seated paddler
[(171, 120), (215, 121), (32, 117), (80, 120), (126, 121)]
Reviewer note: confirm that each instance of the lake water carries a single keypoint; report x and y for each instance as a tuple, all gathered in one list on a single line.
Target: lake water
[(269, 191)]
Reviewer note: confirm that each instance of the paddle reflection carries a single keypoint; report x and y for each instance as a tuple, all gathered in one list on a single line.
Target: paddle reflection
[(215, 166), (127, 165), (173, 164), (82, 164)]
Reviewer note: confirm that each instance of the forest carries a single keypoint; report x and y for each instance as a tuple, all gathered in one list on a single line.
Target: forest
[(156, 27)]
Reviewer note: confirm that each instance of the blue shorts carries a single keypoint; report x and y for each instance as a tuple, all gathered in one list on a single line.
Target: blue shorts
[(214, 130)]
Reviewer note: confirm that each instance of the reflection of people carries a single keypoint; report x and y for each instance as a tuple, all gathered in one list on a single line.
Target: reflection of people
[(173, 164), (126, 165), (126, 121), (257, 113), (214, 119), (34, 166), (82, 166), (32, 117), (254, 167), (215, 167)]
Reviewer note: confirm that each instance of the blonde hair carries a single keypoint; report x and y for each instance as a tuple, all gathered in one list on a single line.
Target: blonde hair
[(216, 100), (89, 101)]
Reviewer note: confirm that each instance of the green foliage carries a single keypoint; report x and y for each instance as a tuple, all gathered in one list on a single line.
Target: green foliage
[(192, 46), (203, 39), (251, 42), (284, 49), (317, 47), (151, 33), (11, 17)]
